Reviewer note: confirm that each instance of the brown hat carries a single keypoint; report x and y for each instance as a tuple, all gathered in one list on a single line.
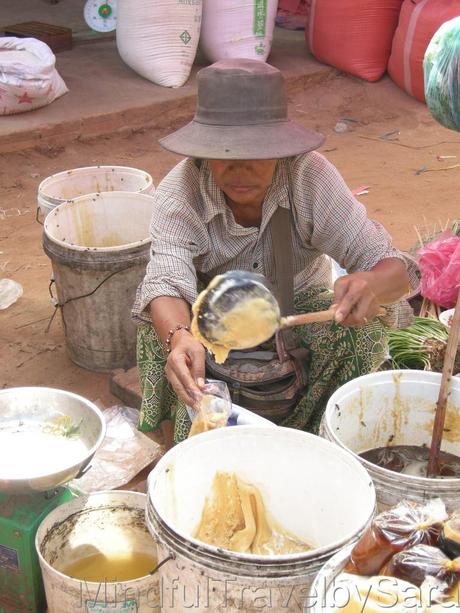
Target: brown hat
[(241, 115)]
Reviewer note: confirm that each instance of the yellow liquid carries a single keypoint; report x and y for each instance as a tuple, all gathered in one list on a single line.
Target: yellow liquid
[(111, 568)]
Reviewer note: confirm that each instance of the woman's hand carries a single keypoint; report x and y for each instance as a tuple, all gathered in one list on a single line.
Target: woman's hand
[(185, 367), (358, 296), (355, 300)]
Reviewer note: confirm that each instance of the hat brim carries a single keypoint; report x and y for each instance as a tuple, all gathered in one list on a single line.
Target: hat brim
[(252, 142)]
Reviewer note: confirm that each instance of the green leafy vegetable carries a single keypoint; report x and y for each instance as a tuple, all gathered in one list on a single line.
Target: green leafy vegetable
[(421, 346), (63, 425)]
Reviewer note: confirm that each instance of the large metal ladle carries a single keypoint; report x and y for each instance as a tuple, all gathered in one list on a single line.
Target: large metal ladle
[(238, 310)]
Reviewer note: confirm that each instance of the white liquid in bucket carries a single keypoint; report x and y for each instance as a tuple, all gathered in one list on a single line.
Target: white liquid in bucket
[(32, 452)]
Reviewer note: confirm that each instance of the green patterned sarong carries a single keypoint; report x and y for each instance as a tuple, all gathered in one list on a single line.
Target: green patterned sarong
[(337, 354)]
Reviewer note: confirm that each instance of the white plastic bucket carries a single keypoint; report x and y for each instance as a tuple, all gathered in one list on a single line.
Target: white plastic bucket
[(397, 408), (327, 595), (99, 246), (70, 184), (333, 589), (315, 490), (105, 522)]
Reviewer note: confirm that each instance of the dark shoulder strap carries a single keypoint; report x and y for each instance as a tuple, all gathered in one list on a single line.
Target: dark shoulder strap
[(283, 276)]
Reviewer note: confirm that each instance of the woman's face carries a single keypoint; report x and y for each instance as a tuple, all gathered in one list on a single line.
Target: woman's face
[(245, 182)]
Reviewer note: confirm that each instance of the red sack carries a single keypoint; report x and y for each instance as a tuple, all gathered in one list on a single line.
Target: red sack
[(352, 35), (439, 264), (418, 22)]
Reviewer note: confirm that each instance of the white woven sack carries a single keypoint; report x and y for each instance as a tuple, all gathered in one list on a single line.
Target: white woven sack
[(159, 38), (28, 77), (237, 29)]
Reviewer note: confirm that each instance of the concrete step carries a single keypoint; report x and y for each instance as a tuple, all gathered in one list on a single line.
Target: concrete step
[(124, 384), (107, 96)]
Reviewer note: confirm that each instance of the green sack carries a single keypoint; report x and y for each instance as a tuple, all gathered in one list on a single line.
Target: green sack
[(441, 69)]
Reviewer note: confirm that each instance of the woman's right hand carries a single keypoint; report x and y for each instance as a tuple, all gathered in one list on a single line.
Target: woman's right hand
[(185, 367)]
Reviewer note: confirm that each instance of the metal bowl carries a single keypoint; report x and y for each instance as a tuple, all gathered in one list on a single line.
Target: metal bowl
[(47, 437)]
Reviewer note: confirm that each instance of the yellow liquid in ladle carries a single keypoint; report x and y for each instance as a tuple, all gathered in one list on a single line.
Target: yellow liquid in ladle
[(113, 567)]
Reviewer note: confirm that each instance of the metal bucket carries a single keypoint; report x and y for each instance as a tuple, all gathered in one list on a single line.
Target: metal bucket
[(107, 523), (70, 184), (47, 437), (315, 490), (395, 408), (99, 246)]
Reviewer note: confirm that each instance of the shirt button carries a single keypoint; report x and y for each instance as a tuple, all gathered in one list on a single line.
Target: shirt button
[(255, 265)]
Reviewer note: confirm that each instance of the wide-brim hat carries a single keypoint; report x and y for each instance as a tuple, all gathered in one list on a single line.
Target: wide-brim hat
[(241, 114)]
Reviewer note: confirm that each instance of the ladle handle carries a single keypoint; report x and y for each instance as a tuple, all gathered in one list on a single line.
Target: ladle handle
[(316, 317)]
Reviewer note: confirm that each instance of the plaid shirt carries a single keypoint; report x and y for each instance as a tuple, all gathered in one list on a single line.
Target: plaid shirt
[(193, 229)]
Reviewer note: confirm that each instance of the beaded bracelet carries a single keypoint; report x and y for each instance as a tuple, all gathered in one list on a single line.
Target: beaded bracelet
[(171, 334)]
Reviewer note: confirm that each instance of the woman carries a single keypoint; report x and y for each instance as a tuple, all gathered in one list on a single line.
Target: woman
[(244, 159)]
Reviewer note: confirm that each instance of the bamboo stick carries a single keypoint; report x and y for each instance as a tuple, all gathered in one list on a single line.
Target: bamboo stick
[(440, 416)]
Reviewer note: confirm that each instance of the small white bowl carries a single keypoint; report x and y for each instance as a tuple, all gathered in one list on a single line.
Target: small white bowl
[(445, 316)]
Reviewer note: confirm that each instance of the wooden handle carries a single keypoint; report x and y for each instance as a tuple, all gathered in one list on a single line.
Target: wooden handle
[(316, 317), (447, 369)]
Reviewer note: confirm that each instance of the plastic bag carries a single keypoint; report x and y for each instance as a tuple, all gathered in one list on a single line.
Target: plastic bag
[(28, 77), (449, 539), (214, 408), (123, 454), (10, 291), (418, 22), (422, 561), (404, 526), (441, 70), (439, 264), (434, 591)]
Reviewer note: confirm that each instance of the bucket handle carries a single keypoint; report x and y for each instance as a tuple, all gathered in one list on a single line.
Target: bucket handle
[(59, 305), (170, 557), (36, 216)]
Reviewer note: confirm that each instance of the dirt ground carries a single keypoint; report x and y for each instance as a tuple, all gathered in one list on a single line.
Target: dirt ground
[(400, 196)]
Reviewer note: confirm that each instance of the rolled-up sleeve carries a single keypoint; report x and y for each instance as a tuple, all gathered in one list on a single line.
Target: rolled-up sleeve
[(341, 228), (178, 236)]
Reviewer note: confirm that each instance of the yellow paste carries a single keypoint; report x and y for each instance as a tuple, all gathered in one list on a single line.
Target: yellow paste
[(207, 419), (234, 518), (249, 323), (374, 595)]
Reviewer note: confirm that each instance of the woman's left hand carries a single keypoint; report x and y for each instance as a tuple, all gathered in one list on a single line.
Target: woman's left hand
[(356, 303)]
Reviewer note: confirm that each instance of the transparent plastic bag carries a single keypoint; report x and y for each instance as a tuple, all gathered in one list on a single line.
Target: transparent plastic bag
[(439, 264), (10, 291), (214, 408), (449, 540), (392, 531), (422, 561), (441, 69), (123, 454)]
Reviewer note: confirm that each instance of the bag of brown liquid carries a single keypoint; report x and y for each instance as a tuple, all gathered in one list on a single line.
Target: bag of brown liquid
[(422, 561), (449, 540), (404, 526)]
